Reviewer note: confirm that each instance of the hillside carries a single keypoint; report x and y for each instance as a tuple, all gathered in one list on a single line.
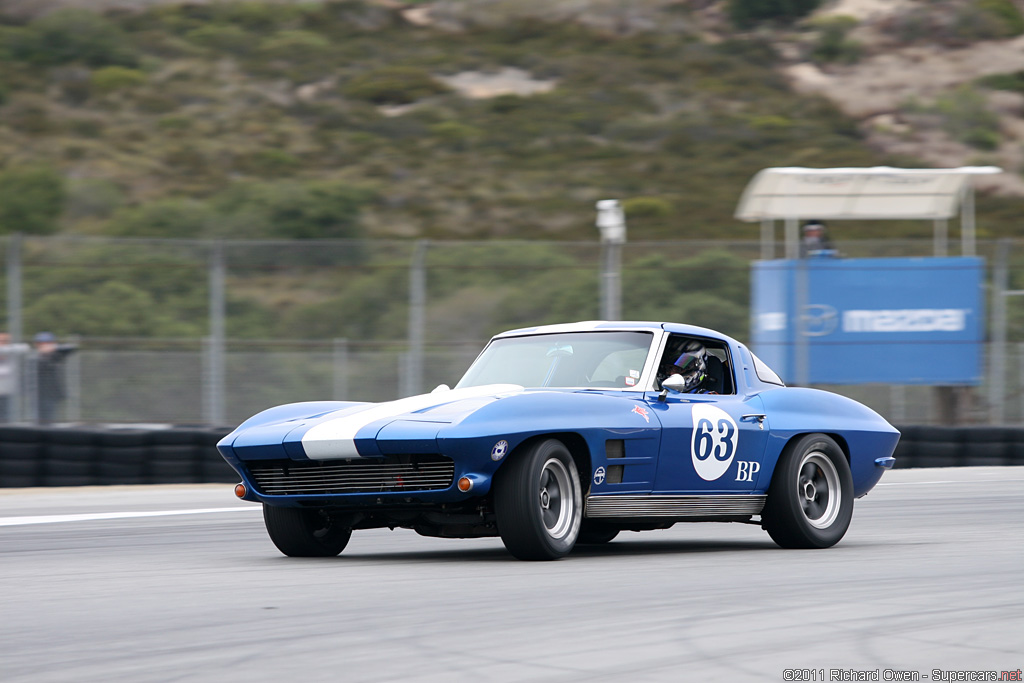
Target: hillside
[(457, 119), (461, 119)]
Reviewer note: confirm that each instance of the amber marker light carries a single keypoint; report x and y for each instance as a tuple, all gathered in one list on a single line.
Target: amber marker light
[(240, 490), (465, 484)]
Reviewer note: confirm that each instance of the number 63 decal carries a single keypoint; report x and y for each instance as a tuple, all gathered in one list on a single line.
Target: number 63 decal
[(714, 441)]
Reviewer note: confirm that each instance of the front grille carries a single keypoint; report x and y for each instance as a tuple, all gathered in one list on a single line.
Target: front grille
[(356, 475)]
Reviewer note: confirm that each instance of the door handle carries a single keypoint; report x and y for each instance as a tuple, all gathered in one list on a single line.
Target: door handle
[(754, 416)]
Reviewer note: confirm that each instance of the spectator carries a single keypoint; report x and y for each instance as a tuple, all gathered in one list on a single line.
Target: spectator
[(816, 241), (50, 357), (11, 356)]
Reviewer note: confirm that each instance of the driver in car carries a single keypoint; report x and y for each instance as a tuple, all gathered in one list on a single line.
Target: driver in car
[(690, 364)]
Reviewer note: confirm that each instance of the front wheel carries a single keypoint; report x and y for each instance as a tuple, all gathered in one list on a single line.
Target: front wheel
[(538, 502), (810, 499), (302, 532)]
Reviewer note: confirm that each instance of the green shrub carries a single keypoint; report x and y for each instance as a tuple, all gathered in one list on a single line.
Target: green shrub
[(87, 127), (219, 37), (173, 218), (290, 210), (966, 117), (75, 35), (294, 45), (746, 13), (111, 78), (1007, 13), (31, 200), (393, 85), (1014, 82), (647, 207), (832, 44), (93, 198), (267, 163)]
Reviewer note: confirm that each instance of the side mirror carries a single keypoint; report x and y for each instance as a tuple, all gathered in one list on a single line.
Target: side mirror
[(674, 383)]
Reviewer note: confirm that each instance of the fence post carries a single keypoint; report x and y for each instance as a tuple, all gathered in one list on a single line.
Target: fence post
[(73, 406), (17, 402), (340, 368), (413, 381), (997, 359), (611, 222), (214, 413)]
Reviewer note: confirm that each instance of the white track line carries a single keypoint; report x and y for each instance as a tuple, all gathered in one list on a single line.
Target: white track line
[(95, 516)]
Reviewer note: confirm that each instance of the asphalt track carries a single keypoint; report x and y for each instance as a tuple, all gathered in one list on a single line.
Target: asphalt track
[(182, 584)]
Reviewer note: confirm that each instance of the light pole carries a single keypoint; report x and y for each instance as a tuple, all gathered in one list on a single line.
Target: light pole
[(611, 221)]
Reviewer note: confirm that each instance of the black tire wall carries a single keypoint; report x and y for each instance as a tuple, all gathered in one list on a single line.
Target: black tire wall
[(87, 456), (90, 456)]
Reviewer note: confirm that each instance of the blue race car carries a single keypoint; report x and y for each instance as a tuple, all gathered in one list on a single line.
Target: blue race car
[(569, 434)]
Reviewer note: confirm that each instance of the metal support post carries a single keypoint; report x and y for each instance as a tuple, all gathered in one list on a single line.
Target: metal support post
[(413, 382), (767, 239), (792, 238), (611, 281), (215, 371), (340, 369), (16, 405), (997, 354), (941, 237), (611, 221), (967, 221), (802, 347), (14, 328)]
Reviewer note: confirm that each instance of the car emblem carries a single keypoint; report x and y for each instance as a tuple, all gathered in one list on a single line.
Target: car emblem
[(499, 450), (599, 476), (642, 412)]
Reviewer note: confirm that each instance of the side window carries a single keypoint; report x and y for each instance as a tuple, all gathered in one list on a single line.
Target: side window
[(718, 366)]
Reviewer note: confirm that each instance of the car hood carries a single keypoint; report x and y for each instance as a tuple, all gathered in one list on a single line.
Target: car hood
[(321, 434)]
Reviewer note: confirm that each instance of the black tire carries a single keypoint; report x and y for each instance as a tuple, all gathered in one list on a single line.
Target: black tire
[(538, 502), (810, 500), (302, 532), (596, 533)]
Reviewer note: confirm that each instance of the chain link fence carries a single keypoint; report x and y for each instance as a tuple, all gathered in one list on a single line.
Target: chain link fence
[(189, 332)]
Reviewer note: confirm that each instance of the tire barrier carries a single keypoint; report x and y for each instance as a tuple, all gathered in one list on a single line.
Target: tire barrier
[(88, 456), (930, 446)]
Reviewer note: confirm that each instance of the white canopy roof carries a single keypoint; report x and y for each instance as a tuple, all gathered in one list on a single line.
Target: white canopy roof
[(857, 193)]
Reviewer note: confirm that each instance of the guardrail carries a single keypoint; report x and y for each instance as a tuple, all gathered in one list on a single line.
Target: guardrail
[(61, 456)]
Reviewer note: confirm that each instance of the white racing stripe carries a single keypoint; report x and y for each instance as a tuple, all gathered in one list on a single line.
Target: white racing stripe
[(336, 438), (96, 516)]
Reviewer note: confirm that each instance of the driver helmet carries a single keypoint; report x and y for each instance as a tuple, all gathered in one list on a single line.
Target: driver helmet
[(692, 365)]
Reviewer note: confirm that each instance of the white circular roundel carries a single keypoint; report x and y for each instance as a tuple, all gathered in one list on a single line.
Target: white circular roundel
[(714, 441)]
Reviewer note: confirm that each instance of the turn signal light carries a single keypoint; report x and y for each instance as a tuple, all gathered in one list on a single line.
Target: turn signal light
[(240, 490), (465, 484)]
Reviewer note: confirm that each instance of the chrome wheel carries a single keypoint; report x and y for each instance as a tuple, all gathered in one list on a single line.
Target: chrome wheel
[(538, 501), (556, 501), (810, 499), (819, 490)]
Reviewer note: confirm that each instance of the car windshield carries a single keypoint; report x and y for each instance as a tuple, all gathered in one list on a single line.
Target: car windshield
[(580, 359)]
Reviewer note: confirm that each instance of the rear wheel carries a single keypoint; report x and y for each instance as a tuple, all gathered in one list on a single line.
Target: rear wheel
[(302, 532), (538, 502), (810, 500)]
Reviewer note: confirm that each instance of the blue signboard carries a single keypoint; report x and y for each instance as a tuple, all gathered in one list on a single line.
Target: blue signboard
[(897, 321)]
